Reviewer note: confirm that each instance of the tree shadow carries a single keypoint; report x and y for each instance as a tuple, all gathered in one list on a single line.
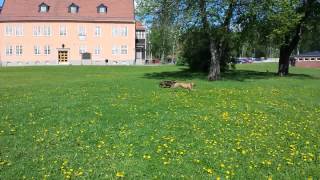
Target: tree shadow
[(233, 75)]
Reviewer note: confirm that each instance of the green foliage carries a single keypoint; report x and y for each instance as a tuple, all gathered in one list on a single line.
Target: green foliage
[(160, 15), (195, 50), (311, 39)]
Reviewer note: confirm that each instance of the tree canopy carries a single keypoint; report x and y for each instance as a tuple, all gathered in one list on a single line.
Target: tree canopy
[(212, 32)]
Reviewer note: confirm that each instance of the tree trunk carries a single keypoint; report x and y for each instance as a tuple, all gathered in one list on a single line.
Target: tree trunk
[(284, 61), (286, 50), (292, 40), (214, 71)]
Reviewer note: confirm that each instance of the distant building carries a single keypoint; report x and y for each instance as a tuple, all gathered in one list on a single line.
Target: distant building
[(309, 59), (79, 32), (141, 43)]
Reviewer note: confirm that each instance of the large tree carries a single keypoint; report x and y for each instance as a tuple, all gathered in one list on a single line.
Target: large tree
[(161, 16), (306, 10), (284, 23), (265, 22), (215, 17)]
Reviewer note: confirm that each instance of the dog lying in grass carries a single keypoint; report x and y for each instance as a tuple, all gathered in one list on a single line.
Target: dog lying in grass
[(188, 86), (175, 84), (167, 84)]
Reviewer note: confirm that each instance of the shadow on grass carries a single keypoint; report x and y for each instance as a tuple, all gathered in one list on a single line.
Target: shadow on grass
[(232, 75)]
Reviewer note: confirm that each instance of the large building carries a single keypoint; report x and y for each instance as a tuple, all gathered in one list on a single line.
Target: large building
[(77, 32)]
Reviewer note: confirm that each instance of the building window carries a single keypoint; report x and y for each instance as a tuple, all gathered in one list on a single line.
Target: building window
[(97, 50), (115, 50), (124, 49), (19, 50), (37, 31), (102, 9), (47, 50), (37, 50), (140, 35), (9, 30), (46, 30), (120, 31), (19, 30), (63, 30), (73, 8), (42, 31), (82, 31), (82, 49), (9, 50), (98, 31), (124, 31), (119, 50), (114, 32), (43, 8)]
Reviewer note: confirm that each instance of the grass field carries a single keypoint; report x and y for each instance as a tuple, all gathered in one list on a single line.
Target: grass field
[(113, 122)]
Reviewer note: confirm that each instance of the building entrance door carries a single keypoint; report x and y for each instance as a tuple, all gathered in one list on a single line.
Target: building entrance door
[(63, 56)]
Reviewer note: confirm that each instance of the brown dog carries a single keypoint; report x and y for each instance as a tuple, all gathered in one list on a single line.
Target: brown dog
[(188, 86)]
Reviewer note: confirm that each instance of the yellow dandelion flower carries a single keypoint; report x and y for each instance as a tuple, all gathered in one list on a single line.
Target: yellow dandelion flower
[(146, 157), (209, 170), (225, 115), (166, 162), (120, 174)]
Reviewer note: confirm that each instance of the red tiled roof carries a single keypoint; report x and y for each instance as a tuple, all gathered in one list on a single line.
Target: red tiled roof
[(28, 10), (139, 26)]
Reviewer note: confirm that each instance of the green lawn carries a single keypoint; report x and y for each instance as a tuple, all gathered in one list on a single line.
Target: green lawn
[(108, 122)]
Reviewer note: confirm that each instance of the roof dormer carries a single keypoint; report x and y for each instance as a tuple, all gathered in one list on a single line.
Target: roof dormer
[(44, 8), (73, 8), (102, 9)]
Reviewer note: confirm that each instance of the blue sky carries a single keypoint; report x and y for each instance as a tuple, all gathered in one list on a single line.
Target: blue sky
[(1, 1)]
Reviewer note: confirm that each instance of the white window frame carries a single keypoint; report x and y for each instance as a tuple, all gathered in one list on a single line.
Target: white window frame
[(124, 49), (97, 50), (115, 50), (73, 9), (9, 50), (63, 30), (19, 50), (47, 31), (102, 9), (114, 31), (47, 50), (140, 35), (36, 50), (43, 8), (98, 31), (120, 31), (82, 32), (9, 31), (124, 31), (82, 49), (19, 30), (37, 31)]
